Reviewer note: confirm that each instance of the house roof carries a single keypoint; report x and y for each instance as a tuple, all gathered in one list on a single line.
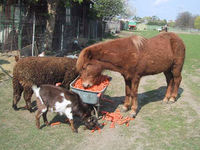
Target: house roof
[(131, 23)]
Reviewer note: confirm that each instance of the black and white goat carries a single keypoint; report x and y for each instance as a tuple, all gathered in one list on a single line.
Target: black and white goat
[(62, 101)]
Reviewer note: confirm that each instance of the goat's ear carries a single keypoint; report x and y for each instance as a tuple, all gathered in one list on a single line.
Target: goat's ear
[(88, 54)]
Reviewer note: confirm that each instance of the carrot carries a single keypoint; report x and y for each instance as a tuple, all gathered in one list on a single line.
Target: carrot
[(94, 88), (112, 125), (116, 117), (58, 84), (103, 124), (55, 123), (96, 128), (99, 129)]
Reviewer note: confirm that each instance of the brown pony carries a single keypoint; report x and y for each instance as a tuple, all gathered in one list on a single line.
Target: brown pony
[(135, 57)]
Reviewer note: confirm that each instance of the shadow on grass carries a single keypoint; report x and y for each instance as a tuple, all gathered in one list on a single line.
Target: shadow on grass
[(143, 99), (4, 62)]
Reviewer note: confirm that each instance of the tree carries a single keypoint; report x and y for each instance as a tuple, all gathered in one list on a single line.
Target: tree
[(171, 23), (185, 20), (107, 9), (197, 22), (52, 7)]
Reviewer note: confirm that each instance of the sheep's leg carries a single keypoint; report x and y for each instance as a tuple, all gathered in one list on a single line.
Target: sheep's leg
[(17, 91), (37, 117), (28, 92)]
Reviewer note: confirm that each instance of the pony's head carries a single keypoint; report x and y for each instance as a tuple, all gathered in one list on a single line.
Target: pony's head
[(89, 68)]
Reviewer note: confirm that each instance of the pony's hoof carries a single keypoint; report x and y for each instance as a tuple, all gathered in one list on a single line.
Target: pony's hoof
[(165, 100), (172, 100), (132, 114), (124, 109)]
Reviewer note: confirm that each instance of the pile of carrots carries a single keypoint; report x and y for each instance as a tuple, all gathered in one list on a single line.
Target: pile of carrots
[(115, 118), (95, 88)]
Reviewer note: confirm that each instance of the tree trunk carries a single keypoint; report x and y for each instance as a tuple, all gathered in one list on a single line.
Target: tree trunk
[(52, 6)]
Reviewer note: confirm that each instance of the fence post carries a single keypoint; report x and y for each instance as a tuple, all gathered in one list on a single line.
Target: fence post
[(3, 18), (96, 29), (33, 36), (62, 34), (12, 31), (78, 30), (19, 27)]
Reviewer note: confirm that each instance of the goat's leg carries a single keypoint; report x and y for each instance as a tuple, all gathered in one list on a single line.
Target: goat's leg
[(72, 126), (44, 115), (70, 117), (17, 91), (37, 117), (127, 102), (28, 92), (134, 100)]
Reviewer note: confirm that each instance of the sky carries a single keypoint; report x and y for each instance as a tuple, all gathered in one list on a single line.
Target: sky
[(164, 9)]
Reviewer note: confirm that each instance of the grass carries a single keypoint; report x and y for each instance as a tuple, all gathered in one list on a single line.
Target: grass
[(18, 130), (192, 65), (157, 126)]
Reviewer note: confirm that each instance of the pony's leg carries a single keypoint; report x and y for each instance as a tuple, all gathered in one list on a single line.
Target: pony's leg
[(170, 81), (28, 92), (177, 68), (17, 91), (127, 102), (134, 93)]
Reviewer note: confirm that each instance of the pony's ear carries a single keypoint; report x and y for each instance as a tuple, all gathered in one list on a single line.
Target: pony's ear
[(88, 54)]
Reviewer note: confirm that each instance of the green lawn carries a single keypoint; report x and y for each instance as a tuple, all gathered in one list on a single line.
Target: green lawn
[(156, 127)]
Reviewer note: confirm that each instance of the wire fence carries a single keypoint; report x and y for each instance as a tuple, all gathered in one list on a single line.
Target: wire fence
[(22, 31)]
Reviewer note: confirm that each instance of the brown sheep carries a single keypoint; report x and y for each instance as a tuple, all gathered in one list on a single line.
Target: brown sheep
[(31, 71)]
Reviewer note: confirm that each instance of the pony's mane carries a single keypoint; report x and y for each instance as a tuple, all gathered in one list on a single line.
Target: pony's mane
[(138, 41)]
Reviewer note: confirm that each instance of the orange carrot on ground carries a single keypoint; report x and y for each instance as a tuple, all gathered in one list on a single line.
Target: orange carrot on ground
[(96, 128), (112, 125), (55, 123), (116, 118)]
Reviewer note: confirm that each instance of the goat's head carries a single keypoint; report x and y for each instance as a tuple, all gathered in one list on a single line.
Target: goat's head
[(91, 122)]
